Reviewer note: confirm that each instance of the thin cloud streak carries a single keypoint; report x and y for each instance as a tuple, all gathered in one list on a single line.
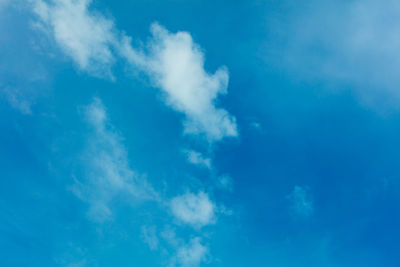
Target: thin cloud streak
[(107, 174)]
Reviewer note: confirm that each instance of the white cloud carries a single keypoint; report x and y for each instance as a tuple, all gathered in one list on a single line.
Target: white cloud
[(17, 100), (225, 182), (195, 210), (150, 237), (176, 65), (107, 173), (169, 235), (192, 254), (353, 44), (23, 76), (186, 254), (173, 62), (197, 158), (301, 203), (86, 36)]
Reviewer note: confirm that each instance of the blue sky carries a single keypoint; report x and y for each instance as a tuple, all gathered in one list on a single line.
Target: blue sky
[(199, 133)]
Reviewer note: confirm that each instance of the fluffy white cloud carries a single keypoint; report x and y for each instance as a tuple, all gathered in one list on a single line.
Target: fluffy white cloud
[(173, 62), (187, 254), (176, 65), (195, 210), (86, 36), (197, 158), (301, 203), (107, 173), (192, 254)]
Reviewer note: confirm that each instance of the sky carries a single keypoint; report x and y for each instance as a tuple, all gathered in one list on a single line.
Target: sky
[(199, 133)]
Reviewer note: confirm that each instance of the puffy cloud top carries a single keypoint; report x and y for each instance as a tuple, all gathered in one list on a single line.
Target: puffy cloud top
[(175, 64), (192, 254), (195, 210), (85, 36)]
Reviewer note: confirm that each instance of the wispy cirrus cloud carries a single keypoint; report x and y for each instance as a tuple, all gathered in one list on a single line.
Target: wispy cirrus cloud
[(107, 174), (225, 182), (24, 76), (197, 158), (174, 63), (186, 254), (107, 178), (189, 253), (348, 44), (17, 100), (150, 237), (301, 202)]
